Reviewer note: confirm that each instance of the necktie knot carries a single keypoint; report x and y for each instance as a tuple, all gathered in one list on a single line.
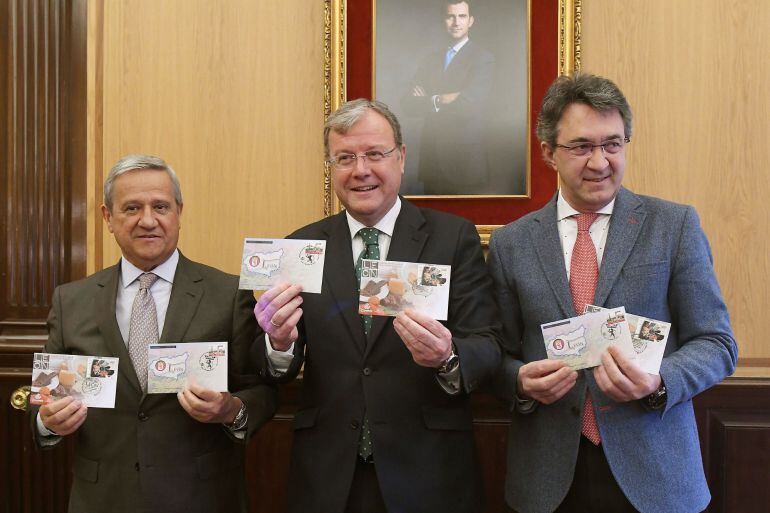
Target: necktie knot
[(584, 221), (370, 236), (146, 280)]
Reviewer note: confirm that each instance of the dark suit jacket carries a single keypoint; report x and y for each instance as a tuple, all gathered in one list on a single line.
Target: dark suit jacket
[(452, 147), (657, 263), (422, 437), (148, 454)]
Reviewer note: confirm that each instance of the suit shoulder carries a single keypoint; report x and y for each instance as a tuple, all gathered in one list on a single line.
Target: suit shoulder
[(661, 204), (77, 286), (514, 228), (212, 273), (438, 218), (665, 211), (317, 230)]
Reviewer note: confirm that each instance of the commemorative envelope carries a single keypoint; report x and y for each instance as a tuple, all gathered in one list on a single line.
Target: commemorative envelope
[(580, 341), (171, 366), (266, 262), (389, 287), (89, 379), (649, 337)]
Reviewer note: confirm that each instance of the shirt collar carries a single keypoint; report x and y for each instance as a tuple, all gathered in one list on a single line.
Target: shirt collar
[(129, 272), (386, 225), (459, 45), (565, 210)]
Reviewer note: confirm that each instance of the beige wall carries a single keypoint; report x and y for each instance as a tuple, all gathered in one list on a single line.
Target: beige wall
[(230, 93), (696, 74)]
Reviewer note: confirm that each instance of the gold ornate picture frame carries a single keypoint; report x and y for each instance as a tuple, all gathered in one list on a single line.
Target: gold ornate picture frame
[(553, 42)]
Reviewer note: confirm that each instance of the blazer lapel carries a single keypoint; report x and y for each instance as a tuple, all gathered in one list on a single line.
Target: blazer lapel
[(186, 294), (627, 219), (108, 325), (406, 245), (340, 277), (545, 238)]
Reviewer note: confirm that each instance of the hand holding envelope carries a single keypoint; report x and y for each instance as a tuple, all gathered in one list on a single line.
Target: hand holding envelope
[(63, 416), (278, 312), (622, 378), (210, 406)]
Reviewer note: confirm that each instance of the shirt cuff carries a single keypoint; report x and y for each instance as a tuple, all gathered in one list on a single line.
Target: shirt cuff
[(434, 98), (278, 361), (47, 437), (450, 381), (524, 406)]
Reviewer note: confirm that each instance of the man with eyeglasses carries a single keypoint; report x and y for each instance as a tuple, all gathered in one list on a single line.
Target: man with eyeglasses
[(613, 438), (385, 421)]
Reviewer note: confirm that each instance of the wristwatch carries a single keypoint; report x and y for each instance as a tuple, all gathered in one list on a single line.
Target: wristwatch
[(240, 420), (657, 399), (451, 363)]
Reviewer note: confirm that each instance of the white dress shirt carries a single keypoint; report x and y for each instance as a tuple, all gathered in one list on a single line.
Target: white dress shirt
[(129, 287), (568, 229)]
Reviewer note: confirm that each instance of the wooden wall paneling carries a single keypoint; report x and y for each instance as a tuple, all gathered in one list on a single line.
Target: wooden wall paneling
[(734, 428), (43, 174), (42, 179), (696, 75), (231, 95)]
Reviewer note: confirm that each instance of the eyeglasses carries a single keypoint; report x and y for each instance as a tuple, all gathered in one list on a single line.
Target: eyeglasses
[(586, 148), (348, 160)]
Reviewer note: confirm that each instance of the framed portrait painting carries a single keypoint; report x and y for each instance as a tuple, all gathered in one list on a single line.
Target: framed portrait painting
[(465, 80)]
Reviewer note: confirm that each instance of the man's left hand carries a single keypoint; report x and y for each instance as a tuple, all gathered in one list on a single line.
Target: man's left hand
[(209, 406), (427, 339), (622, 379)]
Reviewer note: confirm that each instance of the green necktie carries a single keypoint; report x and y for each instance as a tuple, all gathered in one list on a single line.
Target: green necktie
[(371, 251)]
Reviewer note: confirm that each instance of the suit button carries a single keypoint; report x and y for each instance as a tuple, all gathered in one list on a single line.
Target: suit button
[(354, 424), (575, 410), (136, 466), (143, 416), (367, 371)]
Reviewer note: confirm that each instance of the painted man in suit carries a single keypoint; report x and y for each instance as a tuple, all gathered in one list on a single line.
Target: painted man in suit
[(451, 91), (599, 243), (384, 422), (171, 453)]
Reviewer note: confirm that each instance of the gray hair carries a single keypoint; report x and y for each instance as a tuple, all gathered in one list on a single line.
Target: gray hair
[(597, 92), (343, 119), (136, 162)]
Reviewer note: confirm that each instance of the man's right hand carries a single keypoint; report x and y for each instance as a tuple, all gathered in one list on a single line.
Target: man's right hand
[(546, 381), (278, 312), (63, 416)]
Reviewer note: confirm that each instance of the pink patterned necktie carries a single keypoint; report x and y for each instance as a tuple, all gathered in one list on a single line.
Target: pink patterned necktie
[(583, 275), (143, 329)]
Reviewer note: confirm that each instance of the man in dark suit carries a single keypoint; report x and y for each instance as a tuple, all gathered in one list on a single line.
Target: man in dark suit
[(155, 453), (385, 422), (451, 91), (599, 243)]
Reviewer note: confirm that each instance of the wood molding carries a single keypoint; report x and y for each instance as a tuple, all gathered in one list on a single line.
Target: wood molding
[(43, 174)]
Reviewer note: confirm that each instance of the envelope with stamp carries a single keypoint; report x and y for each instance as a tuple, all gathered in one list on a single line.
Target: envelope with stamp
[(389, 287), (89, 379), (267, 262), (649, 337), (171, 366), (580, 341)]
